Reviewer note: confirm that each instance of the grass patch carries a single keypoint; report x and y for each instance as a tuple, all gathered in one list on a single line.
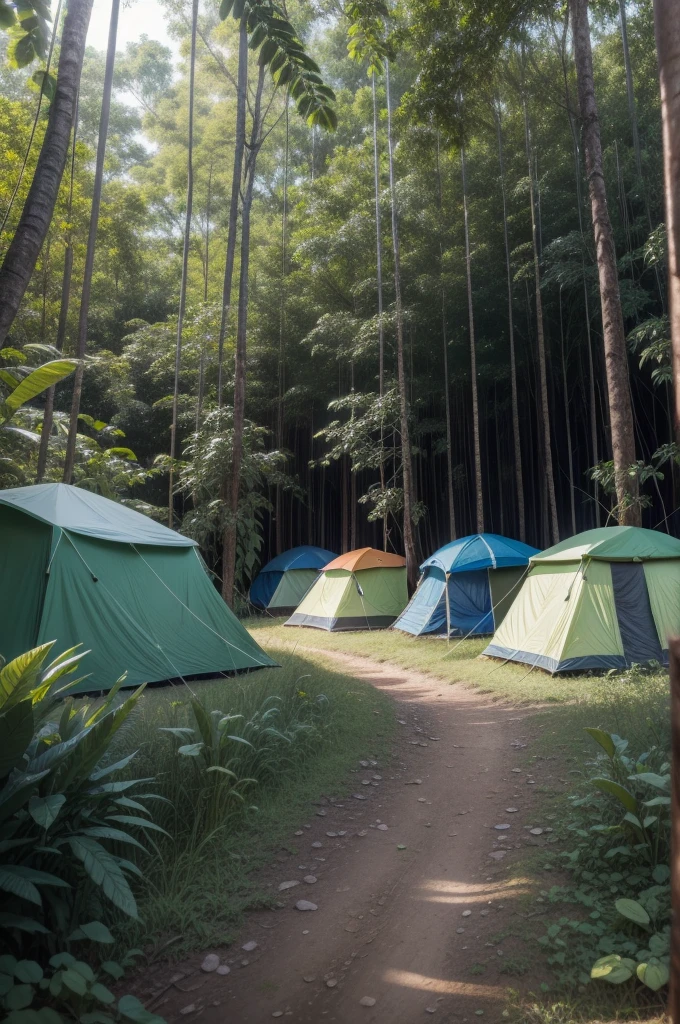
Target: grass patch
[(198, 885), (628, 703)]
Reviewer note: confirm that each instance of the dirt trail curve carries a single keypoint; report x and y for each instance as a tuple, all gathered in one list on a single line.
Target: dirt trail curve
[(416, 916)]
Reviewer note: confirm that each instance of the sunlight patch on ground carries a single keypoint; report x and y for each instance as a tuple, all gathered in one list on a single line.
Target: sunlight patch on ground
[(444, 890), (409, 979)]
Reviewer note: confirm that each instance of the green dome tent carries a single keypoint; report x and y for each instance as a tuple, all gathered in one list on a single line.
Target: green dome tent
[(80, 569), (607, 598)]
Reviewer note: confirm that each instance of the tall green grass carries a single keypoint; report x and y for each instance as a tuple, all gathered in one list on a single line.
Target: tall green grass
[(307, 725)]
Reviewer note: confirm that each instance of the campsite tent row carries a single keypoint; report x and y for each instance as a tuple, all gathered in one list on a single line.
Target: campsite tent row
[(80, 569)]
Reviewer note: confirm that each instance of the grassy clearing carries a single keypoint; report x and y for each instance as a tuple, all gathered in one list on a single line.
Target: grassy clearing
[(200, 883), (629, 703)]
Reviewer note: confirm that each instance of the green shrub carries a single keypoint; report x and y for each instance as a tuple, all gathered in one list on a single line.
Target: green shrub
[(620, 867)]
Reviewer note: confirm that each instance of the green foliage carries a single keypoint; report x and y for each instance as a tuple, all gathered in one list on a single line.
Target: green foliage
[(620, 871), (61, 805)]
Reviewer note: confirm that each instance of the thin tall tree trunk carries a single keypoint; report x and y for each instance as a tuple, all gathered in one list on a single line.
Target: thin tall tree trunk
[(282, 326), (630, 92), (81, 347), (378, 262), (567, 423), (234, 478), (516, 438), (667, 27), (592, 398), (407, 472), (479, 492), (185, 264), (445, 348), (540, 335), (239, 148), (36, 216), (616, 359)]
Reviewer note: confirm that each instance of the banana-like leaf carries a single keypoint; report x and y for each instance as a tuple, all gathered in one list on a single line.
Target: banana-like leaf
[(38, 380), (604, 739), (613, 968), (18, 677), (620, 792)]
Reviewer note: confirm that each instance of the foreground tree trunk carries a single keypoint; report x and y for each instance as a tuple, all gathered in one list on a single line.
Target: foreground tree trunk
[(407, 469), (70, 459), (48, 414), (234, 478), (239, 147), (378, 265), (36, 216), (667, 27), (445, 347), (540, 335), (185, 264), (616, 361), (479, 492)]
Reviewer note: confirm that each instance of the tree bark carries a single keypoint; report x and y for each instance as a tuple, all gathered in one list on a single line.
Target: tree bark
[(239, 147), (445, 347), (407, 470), (616, 360), (667, 26), (185, 265), (540, 336), (379, 283), (234, 478), (517, 444), (81, 347), (36, 216), (281, 368), (48, 413), (479, 492)]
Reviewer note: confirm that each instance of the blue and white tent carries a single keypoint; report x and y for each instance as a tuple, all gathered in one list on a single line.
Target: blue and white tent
[(467, 586), (282, 583)]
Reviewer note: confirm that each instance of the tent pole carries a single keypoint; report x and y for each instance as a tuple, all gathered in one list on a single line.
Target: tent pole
[(448, 607)]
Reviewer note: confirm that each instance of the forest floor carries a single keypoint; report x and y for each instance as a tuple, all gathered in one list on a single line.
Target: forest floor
[(422, 906)]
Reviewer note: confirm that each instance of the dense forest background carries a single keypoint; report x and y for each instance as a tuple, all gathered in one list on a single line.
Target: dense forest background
[(477, 180)]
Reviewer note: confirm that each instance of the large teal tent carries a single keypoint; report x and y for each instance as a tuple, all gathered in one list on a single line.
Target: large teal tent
[(80, 569)]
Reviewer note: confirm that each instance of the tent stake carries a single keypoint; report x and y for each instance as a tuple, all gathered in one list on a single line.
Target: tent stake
[(674, 1001)]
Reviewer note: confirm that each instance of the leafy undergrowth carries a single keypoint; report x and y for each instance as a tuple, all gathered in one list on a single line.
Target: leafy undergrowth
[(238, 761)]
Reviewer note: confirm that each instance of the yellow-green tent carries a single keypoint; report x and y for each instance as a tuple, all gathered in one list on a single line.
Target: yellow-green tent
[(607, 598), (363, 589)]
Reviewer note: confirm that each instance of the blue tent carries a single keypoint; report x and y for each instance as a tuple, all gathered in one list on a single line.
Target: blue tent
[(283, 582), (479, 574)]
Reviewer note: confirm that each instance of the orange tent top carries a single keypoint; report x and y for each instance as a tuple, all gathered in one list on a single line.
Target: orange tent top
[(366, 558)]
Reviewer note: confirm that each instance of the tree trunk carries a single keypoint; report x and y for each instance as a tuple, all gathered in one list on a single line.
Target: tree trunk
[(81, 346), (540, 335), (233, 481), (517, 444), (185, 264), (239, 147), (616, 361), (567, 423), (592, 399), (479, 492), (445, 347), (667, 26), (48, 414), (407, 472), (282, 325), (379, 283), (36, 216), (632, 112)]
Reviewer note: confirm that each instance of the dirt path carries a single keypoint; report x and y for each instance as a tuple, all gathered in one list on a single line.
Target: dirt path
[(417, 916)]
